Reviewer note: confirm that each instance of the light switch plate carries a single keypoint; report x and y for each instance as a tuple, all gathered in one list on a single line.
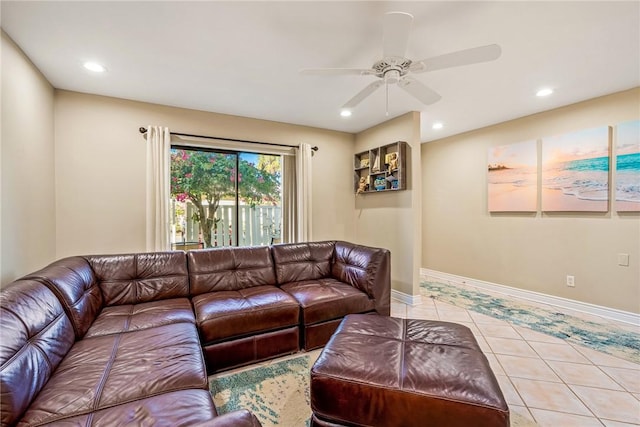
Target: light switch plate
[(623, 260)]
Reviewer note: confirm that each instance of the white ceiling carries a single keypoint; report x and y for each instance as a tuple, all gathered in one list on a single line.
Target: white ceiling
[(243, 58)]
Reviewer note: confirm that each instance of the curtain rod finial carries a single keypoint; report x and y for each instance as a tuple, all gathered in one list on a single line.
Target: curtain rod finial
[(142, 130)]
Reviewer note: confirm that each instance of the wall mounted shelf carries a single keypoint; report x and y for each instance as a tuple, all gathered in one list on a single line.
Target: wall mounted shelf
[(381, 169)]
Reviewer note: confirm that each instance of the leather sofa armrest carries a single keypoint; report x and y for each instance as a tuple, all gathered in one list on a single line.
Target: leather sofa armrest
[(240, 418), (367, 269)]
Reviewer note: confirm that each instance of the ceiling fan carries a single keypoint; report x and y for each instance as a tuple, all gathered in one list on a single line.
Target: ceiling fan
[(395, 68)]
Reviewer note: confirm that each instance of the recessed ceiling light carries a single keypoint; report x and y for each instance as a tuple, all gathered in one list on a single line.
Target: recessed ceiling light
[(544, 92), (95, 67), (437, 125), (345, 113)]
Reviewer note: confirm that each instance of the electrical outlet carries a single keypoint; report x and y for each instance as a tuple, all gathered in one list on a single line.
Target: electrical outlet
[(623, 260), (571, 281)]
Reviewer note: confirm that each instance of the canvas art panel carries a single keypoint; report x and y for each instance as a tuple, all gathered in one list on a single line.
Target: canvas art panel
[(575, 171), (512, 177), (627, 193)]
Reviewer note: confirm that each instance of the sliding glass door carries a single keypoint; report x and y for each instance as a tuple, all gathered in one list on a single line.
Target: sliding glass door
[(224, 198)]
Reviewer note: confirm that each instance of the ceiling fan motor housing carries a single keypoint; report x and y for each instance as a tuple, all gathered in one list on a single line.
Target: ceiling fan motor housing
[(392, 69)]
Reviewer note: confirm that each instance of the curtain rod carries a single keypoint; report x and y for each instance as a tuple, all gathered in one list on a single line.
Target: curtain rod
[(144, 130)]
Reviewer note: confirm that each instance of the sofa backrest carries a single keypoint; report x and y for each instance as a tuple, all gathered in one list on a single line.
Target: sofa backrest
[(367, 269), (229, 269), (73, 282), (36, 335), (142, 277), (296, 262)]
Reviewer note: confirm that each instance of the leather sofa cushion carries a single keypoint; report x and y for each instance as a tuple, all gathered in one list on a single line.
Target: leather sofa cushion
[(131, 317), (367, 269), (73, 282), (143, 277), (295, 262), (224, 314), (110, 370), (178, 408), (351, 265), (327, 299), (35, 335), (230, 269)]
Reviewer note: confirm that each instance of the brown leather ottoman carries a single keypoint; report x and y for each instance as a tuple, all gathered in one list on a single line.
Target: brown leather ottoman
[(383, 371)]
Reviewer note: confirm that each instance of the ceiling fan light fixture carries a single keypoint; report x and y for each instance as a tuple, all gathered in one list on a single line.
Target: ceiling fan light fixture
[(392, 76), (544, 92), (345, 113)]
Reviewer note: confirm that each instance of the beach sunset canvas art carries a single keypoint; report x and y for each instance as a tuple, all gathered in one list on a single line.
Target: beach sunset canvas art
[(628, 167), (575, 171), (512, 177)]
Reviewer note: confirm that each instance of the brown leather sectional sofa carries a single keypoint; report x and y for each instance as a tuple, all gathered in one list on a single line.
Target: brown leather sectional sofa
[(128, 339)]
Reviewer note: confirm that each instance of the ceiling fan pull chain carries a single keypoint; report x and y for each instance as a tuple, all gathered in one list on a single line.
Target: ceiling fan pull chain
[(386, 87)]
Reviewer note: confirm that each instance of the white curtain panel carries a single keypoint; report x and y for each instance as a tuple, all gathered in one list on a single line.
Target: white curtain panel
[(289, 199), (303, 190), (158, 188)]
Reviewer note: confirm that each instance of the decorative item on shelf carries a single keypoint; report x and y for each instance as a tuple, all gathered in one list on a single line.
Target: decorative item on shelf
[(391, 159), (362, 185), (364, 163), (376, 164), (393, 181), (380, 183)]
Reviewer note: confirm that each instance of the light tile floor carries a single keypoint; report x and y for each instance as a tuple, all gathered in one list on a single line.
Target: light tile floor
[(544, 378)]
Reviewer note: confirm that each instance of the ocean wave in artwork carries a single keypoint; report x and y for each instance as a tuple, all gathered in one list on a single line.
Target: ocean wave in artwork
[(628, 178), (586, 179), (520, 177)]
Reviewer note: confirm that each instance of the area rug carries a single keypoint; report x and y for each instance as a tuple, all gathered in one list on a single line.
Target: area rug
[(597, 336), (278, 392)]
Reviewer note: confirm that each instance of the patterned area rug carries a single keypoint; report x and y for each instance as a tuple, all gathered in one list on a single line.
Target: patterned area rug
[(278, 392), (600, 337)]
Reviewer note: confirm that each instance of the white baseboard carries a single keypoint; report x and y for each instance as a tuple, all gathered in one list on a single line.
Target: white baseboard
[(406, 298), (609, 313)]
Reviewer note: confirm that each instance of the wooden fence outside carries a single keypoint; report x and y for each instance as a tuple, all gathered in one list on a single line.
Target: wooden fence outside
[(258, 226)]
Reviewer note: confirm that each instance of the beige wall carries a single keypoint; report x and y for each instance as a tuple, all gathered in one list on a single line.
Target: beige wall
[(530, 251), (392, 220), (100, 163), (27, 210)]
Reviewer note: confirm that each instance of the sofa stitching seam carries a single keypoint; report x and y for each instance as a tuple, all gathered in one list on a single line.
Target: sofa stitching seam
[(103, 380)]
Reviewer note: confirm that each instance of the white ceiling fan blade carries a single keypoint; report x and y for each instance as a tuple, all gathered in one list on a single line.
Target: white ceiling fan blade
[(456, 59), (416, 89), (337, 71), (395, 36), (353, 102)]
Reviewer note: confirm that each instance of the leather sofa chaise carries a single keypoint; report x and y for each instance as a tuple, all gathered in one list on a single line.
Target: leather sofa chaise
[(130, 339)]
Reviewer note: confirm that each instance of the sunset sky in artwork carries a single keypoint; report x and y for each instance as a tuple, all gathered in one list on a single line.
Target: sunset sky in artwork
[(628, 138), (517, 155), (584, 144)]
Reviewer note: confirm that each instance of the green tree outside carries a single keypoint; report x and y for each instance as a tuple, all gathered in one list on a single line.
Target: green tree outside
[(205, 178)]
